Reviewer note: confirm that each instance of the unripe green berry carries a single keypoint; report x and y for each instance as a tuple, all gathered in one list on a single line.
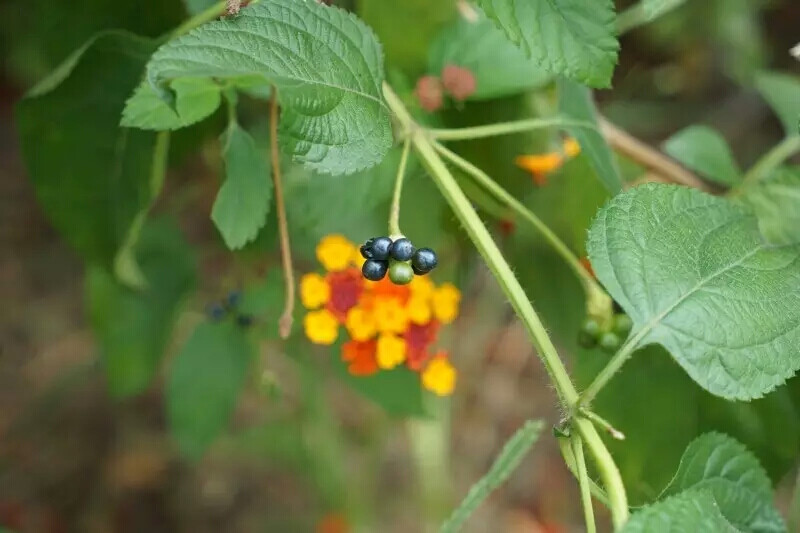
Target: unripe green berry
[(400, 273), (591, 327), (609, 342), (622, 325)]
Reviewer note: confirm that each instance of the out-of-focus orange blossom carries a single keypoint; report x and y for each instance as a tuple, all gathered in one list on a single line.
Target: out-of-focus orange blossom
[(540, 165), (386, 325)]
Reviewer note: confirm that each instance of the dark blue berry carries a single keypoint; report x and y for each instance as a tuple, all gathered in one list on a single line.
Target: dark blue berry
[(424, 260), (215, 311), (244, 320), (401, 249), (366, 249), (374, 270), (380, 248), (234, 298)]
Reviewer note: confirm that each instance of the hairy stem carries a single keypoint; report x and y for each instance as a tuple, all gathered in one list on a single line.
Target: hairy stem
[(507, 128), (394, 212), (482, 240), (285, 321), (583, 483), (611, 368), (600, 302), (772, 159)]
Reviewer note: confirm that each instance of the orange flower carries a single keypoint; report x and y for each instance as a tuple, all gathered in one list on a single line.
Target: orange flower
[(360, 357), (543, 164), (588, 266)]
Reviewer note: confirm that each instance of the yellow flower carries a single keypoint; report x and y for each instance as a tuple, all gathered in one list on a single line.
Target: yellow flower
[(439, 376), (321, 327), (445, 303), (335, 252), (390, 315), (391, 351), (419, 309), (541, 164), (360, 324), (357, 259), (571, 147), (421, 286), (314, 291)]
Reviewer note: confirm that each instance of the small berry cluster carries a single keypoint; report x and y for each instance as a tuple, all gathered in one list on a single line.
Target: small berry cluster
[(610, 338), (456, 81), (398, 257), (219, 310)]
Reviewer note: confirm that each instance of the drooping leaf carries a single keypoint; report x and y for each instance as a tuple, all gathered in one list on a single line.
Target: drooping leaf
[(326, 64), (573, 38), (575, 101), (204, 383), (776, 202), (694, 274), (244, 199), (780, 91), (133, 326), (91, 177), (705, 151), (723, 467), (688, 511), (196, 98), (509, 459), (499, 67)]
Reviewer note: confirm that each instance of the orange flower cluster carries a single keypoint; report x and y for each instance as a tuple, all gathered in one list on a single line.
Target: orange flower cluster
[(388, 325), (540, 165)]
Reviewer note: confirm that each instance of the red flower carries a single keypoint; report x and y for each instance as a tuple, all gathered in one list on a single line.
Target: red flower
[(418, 342), (346, 287), (360, 357)]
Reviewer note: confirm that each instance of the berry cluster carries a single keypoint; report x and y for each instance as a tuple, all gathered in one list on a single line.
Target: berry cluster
[(398, 257), (218, 310), (609, 338)]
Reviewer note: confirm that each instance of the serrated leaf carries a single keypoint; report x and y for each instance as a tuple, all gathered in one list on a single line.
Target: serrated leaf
[(781, 93), (689, 511), (720, 465), (204, 384), (573, 38), (506, 463), (499, 67), (576, 101), (91, 177), (705, 151), (133, 326), (694, 274), (195, 99), (244, 199), (326, 64), (776, 202)]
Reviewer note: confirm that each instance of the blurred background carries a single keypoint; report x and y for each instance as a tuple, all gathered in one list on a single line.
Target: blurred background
[(309, 448)]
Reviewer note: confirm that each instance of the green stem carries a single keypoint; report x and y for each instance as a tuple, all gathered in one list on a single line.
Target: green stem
[(602, 423), (394, 212), (482, 240), (565, 445), (611, 368), (583, 483), (507, 128), (638, 15), (483, 179), (212, 12), (771, 160)]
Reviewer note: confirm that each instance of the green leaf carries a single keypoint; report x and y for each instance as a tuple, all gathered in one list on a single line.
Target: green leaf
[(573, 38), (780, 91), (694, 274), (576, 102), (196, 98), (133, 327), (506, 463), (689, 511), (243, 201), (204, 384), (705, 151), (776, 202), (499, 67), (326, 64), (91, 177), (720, 465), (645, 11)]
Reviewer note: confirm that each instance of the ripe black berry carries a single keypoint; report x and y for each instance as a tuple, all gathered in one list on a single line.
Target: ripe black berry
[(374, 270), (234, 298), (244, 320), (366, 249), (401, 249), (401, 273), (216, 311), (379, 248), (609, 342), (424, 260)]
